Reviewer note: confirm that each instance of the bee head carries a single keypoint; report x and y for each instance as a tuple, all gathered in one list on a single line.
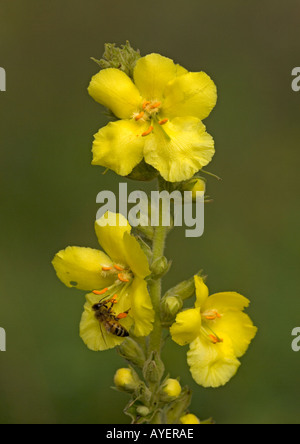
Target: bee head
[(97, 307)]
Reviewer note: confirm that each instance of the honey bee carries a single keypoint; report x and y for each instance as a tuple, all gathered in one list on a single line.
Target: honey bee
[(110, 321)]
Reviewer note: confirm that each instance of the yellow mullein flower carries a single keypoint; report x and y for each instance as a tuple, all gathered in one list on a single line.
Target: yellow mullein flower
[(117, 277), (161, 114), (190, 419), (219, 333)]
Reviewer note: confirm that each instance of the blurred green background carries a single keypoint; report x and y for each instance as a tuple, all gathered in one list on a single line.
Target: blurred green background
[(48, 192)]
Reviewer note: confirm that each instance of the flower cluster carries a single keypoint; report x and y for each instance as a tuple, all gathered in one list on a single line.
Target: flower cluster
[(159, 107)]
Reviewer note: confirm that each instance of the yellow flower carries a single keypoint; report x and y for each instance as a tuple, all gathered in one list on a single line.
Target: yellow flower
[(189, 419), (172, 388), (161, 114), (126, 379), (219, 333), (117, 277)]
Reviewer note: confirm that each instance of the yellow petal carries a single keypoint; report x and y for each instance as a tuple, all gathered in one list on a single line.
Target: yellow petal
[(202, 291), (110, 230), (239, 327), (212, 365), (119, 146), (115, 90), (193, 94), (187, 327), (151, 75), (141, 308), (81, 268), (93, 332), (179, 149), (190, 419), (227, 301), (135, 257)]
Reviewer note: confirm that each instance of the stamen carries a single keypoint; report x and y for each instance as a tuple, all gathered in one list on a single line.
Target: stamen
[(145, 104), (122, 278), (106, 268), (114, 299), (140, 116), (212, 315), (122, 316), (100, 293), (155, 105), (149, 131), (215, 339), (164, 121), (118, 268)]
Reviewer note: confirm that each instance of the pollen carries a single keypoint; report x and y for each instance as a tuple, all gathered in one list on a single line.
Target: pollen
[(155, 105), (146, 104), (114, 299), (100, 293), (106, 268), (140, 116), (118, 268), (149, 131), (212, 315)]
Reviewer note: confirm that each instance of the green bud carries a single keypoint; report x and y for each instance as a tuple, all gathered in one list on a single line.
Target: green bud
[(179, 407), (184, 290), (153, 369), (160, 267), (195, 185), (123, 58), (132, 352), (170, 307), (142, 411)]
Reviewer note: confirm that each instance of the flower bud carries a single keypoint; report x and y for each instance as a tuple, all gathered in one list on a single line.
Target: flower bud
[(170, 307), (153, 369), (195, 185), (184, 290), (178, 407), (143, 173), (189, 419), (126, 379), (143, 411), (160, 267), (171, 390), (132, 352)]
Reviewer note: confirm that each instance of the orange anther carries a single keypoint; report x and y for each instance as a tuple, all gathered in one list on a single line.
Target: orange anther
[(149, 131), (214, 339), (155, 105), (118, 268), (100, 293), (145, 104), (106, 268), (114, 299), (164, 121), (140, 116), (122, 278)]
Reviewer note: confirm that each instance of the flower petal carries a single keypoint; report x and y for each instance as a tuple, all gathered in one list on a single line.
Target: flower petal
[(119, 146), (141, 308), (212, 365), (135, 257), (193, 94), (110, 230), (179, 149), (202, 291), (239, 327), (187, 326), (81, 268), (93, 332), (152, 73), (227, 301), (115, 90)]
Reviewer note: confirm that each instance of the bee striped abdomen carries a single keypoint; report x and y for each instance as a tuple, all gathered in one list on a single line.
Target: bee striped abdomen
[(116, 329)]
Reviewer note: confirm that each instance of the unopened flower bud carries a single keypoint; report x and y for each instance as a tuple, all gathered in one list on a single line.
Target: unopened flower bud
[(171, 390), (126, 379), (195, 185), (143, 173), (143, 411), (189, 419), (184, 290), (132, 352), (160, 267), (153, 369), (170, 307)]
